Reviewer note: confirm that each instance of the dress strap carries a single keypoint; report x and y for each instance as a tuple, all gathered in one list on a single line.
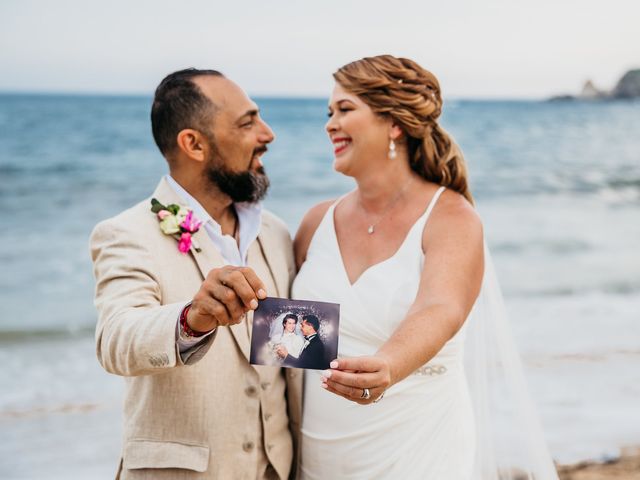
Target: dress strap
[(338, 200), (432, 203)]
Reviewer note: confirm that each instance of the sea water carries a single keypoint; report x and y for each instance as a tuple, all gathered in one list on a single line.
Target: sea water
[(557, 186)]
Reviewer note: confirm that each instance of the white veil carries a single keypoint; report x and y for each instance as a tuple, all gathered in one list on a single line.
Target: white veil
[(509, 441)]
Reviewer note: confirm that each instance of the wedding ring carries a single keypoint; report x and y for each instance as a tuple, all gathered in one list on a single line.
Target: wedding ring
[(366, 394), (379, 398)]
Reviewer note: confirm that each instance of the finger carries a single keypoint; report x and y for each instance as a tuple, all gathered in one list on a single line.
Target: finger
[(211, 307), (255, 282), (358, 380), (359, 364), (228, 297), (235, 280), (351, 393)]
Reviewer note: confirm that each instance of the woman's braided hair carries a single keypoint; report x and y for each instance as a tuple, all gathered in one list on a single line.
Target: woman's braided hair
[(410, 95)]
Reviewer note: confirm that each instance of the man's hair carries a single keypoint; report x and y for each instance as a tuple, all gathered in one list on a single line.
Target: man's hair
[(287, 317), (313, 321), (178, 104)]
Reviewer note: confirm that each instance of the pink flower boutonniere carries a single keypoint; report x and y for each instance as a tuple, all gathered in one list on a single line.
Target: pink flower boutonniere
[(179, 222)]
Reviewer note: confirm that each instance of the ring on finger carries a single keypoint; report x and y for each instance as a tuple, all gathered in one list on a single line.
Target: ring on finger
[(366, 394), (379, 398)]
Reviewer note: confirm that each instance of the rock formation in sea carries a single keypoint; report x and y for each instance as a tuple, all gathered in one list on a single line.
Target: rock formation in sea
[(628, 87), (590, 92)]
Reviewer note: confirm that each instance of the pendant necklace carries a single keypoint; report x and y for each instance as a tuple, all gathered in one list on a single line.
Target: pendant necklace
[(372, 226)]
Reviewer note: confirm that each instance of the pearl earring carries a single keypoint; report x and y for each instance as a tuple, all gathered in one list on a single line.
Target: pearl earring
[(392, 149)]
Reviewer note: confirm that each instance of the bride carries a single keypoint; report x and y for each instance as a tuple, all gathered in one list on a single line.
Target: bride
[(421, 331)]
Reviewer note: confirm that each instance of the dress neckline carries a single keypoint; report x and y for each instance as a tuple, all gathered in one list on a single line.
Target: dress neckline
[(422, 219)]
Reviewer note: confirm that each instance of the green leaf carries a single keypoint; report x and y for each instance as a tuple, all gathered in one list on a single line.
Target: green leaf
[(173, 208), (156, 206)]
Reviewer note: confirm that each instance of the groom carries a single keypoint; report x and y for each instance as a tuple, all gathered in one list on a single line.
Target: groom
[(313, 353), (175, 296)]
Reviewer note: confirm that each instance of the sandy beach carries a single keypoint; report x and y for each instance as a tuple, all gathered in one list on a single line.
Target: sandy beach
[(626, 466)]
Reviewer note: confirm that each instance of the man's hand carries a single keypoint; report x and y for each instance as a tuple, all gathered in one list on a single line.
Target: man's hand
[(281, 350), (224, 298)]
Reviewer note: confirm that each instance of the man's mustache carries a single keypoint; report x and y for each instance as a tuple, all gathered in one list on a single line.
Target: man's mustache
[(260, 150)]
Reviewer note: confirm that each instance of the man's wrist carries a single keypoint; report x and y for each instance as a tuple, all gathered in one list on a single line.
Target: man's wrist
[(185, 330)]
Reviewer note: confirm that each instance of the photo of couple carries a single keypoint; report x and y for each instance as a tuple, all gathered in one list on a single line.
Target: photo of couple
[(305, 339), (182, 279)]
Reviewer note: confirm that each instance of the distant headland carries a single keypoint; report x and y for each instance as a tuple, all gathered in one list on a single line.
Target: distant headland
[(628, 87)]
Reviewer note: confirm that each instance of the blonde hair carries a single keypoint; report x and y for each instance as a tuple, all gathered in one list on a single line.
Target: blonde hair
[(410, 95)]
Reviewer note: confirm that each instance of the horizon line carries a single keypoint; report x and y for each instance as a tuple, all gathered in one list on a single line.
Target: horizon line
[(310, 96)]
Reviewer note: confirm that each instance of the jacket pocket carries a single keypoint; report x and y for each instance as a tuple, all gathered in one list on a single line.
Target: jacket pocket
[(156, 454)]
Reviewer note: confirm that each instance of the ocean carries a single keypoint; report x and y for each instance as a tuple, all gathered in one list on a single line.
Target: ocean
[(557, 186)]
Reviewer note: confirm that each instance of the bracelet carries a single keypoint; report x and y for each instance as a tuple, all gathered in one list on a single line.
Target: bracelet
[(184, 326)]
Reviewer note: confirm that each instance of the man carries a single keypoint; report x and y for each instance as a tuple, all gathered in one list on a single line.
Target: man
[(313, 352), (175, 300)]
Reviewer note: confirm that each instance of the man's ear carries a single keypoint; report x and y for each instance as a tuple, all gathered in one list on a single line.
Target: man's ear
[(192, 143)]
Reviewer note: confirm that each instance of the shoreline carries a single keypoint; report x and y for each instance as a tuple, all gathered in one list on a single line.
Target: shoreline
[(626, 466)]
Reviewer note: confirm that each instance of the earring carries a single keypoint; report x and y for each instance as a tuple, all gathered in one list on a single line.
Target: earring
[(392, 149)]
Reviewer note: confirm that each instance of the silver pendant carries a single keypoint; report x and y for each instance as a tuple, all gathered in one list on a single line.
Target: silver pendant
[(370, 229)]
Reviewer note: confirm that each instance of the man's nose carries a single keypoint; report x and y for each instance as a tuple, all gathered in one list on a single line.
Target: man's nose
[(266, 134)]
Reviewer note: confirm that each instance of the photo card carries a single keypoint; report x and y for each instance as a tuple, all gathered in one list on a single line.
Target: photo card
[(295, 333)]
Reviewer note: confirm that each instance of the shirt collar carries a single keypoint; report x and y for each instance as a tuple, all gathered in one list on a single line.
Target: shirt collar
[(249, 217), (198, 210)]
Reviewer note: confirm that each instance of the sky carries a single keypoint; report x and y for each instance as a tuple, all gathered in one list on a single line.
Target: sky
[(477, 49)]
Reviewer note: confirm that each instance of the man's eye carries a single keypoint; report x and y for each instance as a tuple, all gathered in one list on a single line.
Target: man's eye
[(247, 124)]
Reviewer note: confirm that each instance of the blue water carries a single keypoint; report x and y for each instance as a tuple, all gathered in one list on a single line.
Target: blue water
[(557, 185)]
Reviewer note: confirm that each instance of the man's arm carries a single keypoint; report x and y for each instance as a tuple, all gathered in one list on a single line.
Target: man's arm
[(135, 335)]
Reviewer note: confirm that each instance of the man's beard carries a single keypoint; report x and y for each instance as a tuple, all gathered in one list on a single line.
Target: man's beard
[(249, 186)]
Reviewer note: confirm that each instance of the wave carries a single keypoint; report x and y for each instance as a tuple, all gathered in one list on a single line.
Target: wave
[(67, 408), (48, 334), (545, 246), (616, 288)]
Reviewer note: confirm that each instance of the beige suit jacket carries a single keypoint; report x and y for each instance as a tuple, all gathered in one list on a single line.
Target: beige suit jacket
[(213, 415)]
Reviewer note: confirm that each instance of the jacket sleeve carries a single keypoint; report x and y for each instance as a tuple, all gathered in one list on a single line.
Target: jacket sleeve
[(135, 333)]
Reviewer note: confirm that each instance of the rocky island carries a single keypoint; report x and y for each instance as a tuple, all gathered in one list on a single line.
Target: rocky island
[(628, 87)]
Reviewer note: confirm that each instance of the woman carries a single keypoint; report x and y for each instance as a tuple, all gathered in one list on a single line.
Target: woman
[(290, 340), (404, 256)]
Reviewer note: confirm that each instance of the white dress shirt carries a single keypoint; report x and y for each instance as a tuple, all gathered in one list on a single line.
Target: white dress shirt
[(249, 220)]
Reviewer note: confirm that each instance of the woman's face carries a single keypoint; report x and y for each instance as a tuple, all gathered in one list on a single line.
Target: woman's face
[(290, 326), (360, 138)]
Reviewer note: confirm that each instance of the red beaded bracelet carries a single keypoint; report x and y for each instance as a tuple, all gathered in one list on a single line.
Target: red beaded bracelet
[(186, 329)]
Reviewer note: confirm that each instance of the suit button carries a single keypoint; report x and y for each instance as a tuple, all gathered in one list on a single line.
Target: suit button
[(247, 446), (251, 391), (264, 385)]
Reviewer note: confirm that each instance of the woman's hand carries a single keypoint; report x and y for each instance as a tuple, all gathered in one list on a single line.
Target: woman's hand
[(360, 379)]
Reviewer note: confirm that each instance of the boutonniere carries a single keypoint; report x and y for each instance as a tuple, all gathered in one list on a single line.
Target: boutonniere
[(179, 222)]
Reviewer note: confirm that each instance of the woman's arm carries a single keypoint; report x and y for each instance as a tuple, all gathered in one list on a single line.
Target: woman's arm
[(449, 285)]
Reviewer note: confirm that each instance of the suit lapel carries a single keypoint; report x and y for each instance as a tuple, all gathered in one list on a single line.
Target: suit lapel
[(206, 259), (273, 256)]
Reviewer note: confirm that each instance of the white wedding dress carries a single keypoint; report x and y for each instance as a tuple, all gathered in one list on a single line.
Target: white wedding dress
[(425, 427)]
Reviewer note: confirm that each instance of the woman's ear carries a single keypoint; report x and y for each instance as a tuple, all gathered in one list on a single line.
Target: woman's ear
[(395, 132), (192, 143)]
